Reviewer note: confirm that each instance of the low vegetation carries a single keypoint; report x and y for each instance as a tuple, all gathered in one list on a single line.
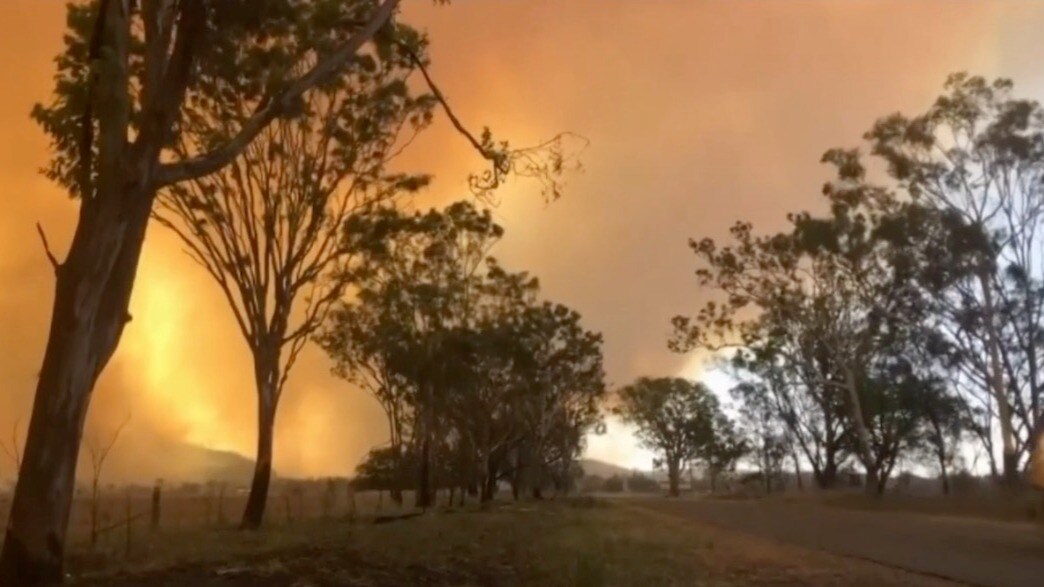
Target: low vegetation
[(580, 542)]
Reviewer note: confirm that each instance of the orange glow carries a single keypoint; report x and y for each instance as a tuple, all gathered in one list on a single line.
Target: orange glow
[(699, 113)]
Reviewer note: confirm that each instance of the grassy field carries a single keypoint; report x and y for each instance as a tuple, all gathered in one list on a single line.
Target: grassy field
[(580, 542)]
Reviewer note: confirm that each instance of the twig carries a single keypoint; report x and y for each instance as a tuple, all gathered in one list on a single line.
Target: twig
[(457, 124), (47, 248), (13, 452)]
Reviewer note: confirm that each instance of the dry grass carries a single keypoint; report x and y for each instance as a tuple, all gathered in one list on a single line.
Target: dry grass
[(579, 543)]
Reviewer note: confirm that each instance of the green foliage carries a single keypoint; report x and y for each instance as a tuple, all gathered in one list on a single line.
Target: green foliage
[(385, 469), (638, 483), (865, 330), (674, 417), (461, 353), (247, 52)]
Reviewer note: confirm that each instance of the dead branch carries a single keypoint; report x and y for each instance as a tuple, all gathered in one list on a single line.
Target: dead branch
[(47, 248)]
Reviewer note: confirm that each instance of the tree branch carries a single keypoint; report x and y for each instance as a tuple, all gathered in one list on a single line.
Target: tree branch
[(270, 109), (47, 248), (457, 124)]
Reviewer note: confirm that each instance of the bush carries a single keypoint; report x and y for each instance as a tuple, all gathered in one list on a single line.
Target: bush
[(639, 483), (592, 483), (614, 484)]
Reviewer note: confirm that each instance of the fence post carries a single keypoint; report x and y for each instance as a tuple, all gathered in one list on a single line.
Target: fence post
[(129, 521)]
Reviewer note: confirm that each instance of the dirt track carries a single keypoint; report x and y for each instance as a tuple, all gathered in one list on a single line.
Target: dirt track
[(975, 552)]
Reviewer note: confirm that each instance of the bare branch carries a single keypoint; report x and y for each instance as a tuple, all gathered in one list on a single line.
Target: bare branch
[(47, 248), (496, 158)]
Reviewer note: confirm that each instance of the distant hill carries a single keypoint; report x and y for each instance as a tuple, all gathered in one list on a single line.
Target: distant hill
[(192, 463), (595, 468), (223, 466)]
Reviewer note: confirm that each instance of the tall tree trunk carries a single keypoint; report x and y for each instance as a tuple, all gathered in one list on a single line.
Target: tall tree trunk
[(674, 476), (797, 471), (424, 498), (874, 482), (489, 487), (864, 443), (268, 400), (1004, 413), (944, 475), (90, 310), (92, 295)]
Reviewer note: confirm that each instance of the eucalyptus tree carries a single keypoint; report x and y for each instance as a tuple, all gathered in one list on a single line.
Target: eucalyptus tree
[(474, 373), (824, 314), (763, 429), (772, 325), (565, 388), (131, 76), (418, 277), (978, 154), (725, 449), (675, 418), (268, 227), (125, 80)]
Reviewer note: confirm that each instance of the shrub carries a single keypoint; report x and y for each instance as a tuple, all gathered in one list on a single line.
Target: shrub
[(614, 484)]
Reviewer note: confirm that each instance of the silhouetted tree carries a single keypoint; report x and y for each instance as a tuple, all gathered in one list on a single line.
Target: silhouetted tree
[(614, 484), (675, 418), (977, 154), (268, 227), (124, 79), (98, 451), (132, 77), (638, 483), (480, 381)]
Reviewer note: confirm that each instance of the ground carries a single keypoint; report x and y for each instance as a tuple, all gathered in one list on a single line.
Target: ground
[(581, 542), (971, 550)]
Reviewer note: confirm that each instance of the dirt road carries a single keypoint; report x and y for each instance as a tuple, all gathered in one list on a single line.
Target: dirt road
[(976, 552)]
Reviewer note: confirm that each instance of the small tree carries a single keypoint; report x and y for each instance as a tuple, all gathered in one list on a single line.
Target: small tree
[(268, 227), (14, 449), (639, 483), (675, 417), (724, 450), (614, 484), (98, 451)]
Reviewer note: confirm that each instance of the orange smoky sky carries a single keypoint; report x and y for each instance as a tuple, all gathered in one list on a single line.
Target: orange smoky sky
[(699, 113)]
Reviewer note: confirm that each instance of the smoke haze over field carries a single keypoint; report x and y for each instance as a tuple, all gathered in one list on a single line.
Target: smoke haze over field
[(699, 113)]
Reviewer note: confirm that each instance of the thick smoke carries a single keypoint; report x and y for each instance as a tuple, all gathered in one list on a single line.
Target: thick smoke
[(699, 114)]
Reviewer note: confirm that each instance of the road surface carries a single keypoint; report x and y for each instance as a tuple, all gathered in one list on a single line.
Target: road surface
[(971, 551)]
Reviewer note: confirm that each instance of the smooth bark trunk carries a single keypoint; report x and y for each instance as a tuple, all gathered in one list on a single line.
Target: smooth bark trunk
[(1004, 413), (254, 513), (797, 473), (674, 477), (944, 476), (90, 310), (864, 442)]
